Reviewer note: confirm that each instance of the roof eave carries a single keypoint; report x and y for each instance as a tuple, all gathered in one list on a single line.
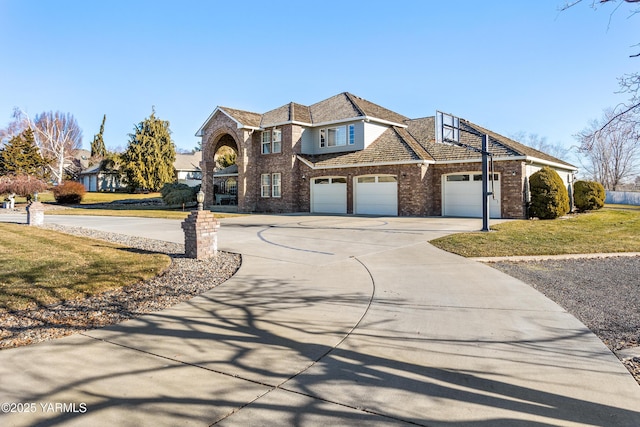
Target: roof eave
[(355, 165), (512, 158)]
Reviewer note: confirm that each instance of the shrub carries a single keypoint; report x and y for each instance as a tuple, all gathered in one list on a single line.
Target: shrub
[(69, 192), (588, 195), (22, 185), (178, 194), (549, 196)]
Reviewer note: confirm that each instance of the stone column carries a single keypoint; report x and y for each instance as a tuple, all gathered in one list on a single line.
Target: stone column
[(200, 234), (35, 213)]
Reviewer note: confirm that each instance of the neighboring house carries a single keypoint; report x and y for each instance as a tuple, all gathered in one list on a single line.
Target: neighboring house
[(187, 168), (77, 163), (95, 178), (347, 155)]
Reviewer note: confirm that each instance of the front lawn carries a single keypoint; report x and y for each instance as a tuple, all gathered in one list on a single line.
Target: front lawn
[(611, 229), (41, 267)]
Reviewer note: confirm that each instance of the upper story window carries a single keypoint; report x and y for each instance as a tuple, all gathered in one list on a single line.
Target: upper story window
[(276, 143), (333, 137), (266, 142), (271, 141), (337, 136)]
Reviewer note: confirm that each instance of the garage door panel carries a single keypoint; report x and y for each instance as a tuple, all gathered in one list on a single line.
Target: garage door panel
[(329, 196), (379, 197), (464, 197)]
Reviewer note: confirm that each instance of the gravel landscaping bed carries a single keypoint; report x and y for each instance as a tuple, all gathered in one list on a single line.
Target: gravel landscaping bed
[(183, 280), (603, 293)]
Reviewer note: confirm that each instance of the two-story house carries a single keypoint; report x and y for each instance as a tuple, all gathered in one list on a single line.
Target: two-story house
[(347, 155)]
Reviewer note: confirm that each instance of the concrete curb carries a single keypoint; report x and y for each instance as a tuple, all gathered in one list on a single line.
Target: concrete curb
[(553, 257)]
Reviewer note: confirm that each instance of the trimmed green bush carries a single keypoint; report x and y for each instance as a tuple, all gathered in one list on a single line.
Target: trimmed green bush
[(69, 193), (588, 195), (178, 194), (549, 196)]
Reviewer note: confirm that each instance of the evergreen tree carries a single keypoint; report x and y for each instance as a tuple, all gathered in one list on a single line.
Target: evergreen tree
[(21, 156), (150, 155), (98, 150)]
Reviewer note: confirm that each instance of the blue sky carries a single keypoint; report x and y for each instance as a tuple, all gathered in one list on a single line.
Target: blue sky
[(519, 66)]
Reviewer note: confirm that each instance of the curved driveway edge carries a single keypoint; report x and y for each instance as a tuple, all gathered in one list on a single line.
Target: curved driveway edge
[(329, 321)]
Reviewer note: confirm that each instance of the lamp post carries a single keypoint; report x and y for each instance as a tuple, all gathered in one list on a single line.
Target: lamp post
[(200, 199)]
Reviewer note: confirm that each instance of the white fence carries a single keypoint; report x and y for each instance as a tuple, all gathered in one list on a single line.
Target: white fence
[(623, 198)]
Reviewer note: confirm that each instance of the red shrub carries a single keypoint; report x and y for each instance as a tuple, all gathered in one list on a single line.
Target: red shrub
[(22, 185), (69, 192)]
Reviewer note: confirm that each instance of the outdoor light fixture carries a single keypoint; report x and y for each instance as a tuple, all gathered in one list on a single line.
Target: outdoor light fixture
[(200, 199)]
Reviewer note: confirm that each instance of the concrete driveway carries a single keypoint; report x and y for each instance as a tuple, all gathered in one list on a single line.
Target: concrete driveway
[(330, 320)]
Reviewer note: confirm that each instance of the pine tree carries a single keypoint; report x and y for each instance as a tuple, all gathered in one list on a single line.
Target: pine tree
[(150, 155), (21, 156), (98, 150)]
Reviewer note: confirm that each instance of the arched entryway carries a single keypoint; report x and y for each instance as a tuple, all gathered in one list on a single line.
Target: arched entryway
[(224, 180)]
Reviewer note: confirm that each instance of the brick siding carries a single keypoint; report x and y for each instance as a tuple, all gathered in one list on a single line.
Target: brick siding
[(419, 186)]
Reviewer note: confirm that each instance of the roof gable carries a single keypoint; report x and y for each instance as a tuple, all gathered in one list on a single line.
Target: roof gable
[(243, 119)]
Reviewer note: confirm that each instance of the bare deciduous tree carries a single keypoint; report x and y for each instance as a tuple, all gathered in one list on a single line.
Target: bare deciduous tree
[(540, 143), (629, 83), (59, 136), (611, 152), (19, 123)]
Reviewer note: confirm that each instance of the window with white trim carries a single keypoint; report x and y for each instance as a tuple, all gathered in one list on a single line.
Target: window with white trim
[(352, 134), (266, 142), (276, 143), (333, 137), (265, 185), (275, 185)]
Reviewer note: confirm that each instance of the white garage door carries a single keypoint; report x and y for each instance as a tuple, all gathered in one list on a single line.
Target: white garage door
[(376, 195), (329, 195), (462, 195)]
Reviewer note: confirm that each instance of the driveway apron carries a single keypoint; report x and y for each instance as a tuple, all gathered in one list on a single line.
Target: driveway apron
[(330, 320)]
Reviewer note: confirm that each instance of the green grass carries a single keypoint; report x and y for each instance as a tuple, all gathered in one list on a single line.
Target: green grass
[(614, 228), (93, 197), (41, 267), (94, 204)]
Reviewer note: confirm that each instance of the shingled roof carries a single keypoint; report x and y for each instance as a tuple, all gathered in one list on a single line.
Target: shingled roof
[(246, 118), (342, 107), (423, 130), (290, 112), (406, 140)]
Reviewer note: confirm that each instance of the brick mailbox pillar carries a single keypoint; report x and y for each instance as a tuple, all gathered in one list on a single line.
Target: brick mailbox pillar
[(200, 233), (35, 213)]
